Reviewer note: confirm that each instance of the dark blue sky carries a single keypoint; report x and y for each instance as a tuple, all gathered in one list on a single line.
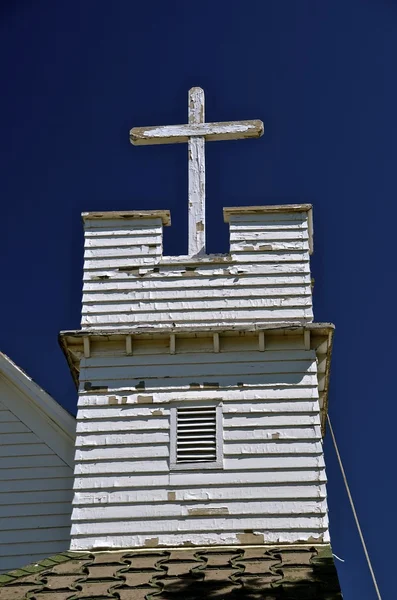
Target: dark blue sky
[(77, 75)]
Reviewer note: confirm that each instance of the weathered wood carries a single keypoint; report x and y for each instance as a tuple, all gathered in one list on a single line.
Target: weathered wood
[(172, 343), (201, 539), (130, 251), (86, 344), (140, 217), (122, 452), (229, 493), (211, 132), (183, 317), (255, 381), (131, 425), (284, 393), (137, 292), (306, 338), (128, 345), (273, 265), (127, 238), (261, 234), (119, 439), (206, 364), (172, 510), (284, 353), (151, 255), (196, 161), (196, 133), (204, 524), (261, 340), (201, 329), (235, 304)]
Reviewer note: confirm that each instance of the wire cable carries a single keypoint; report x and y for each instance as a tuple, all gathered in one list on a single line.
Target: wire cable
[(353, 509)]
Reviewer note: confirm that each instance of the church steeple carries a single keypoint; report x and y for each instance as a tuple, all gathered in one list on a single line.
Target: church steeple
[(203, 387)]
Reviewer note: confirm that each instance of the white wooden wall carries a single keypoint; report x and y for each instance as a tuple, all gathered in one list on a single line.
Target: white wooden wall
[(35, 489), (266, 277), (272, 485)]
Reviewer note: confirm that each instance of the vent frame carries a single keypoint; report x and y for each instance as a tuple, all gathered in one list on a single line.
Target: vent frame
[(196, 465)]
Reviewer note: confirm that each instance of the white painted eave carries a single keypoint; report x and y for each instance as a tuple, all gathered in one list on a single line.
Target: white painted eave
[(52, 414), (74, 343)]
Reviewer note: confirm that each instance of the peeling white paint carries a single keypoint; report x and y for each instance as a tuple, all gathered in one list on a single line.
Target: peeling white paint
[(196, 133), (131, 282), (171, 330), (273, 462)]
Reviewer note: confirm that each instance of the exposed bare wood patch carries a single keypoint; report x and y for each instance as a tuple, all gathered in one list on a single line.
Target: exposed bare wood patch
[(144, 399), (306, 338), (216, 342), (261, 336), (206, 511), (86, 343), (251, 538), (151, 542), (128, 345)]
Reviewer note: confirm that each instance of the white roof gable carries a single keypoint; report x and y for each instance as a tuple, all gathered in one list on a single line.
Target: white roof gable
[(38, 410)]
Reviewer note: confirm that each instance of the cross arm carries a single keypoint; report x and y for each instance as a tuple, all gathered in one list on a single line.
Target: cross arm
[(212, 132)]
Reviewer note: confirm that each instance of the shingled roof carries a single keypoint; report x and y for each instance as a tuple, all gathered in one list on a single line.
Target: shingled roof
[(229, 573)]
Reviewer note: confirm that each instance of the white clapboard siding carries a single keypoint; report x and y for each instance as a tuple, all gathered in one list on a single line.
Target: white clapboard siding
[(35, 482), (204, 317), (282, 393), (224, 381), (226, 538), (214, 370), (230, 493), (266, 276), (171, 510), (278, 461), (181, 479), (193, 525), (272, 481)]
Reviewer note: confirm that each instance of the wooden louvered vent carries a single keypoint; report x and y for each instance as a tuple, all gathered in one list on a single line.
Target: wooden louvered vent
[(196, 436)]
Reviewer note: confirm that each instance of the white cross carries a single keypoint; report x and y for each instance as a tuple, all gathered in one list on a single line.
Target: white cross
[(196, 133)]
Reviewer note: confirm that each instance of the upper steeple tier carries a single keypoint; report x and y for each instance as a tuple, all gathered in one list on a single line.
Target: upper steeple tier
[(264, 279)]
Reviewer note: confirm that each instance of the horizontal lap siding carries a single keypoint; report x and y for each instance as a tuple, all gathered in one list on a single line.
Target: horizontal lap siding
[(273, 478), (35, 496), (266, 277)]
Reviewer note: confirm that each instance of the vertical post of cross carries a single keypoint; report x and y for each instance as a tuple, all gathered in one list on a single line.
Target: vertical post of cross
[(196, 155)]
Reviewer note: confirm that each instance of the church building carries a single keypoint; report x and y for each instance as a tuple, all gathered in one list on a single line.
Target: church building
[(202, 401)]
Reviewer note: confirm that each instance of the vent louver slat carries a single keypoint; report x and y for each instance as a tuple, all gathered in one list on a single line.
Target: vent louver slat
[(196, 434)]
